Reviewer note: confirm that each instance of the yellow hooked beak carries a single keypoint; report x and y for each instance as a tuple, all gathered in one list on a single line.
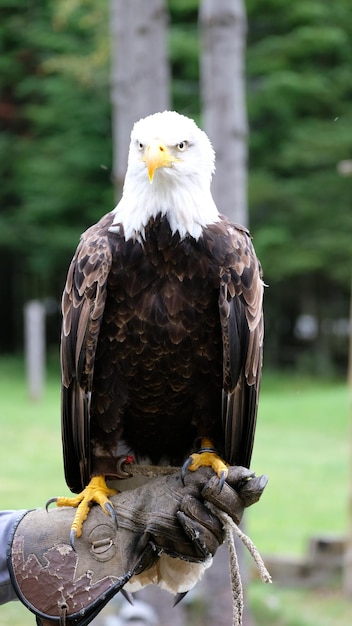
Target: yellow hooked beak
[(158, 155)]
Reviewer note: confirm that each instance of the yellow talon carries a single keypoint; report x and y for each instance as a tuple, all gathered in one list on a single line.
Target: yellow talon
[(207, 457), (96, 491)]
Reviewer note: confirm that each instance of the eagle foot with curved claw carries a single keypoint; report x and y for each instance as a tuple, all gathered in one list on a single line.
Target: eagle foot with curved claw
[(206, 457), (96, 492)]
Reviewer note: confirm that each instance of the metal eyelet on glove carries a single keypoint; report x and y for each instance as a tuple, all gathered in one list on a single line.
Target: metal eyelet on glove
[(63, 614), (101, 538)]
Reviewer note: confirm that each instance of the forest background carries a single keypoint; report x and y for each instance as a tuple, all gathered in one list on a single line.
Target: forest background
[(56, 158)]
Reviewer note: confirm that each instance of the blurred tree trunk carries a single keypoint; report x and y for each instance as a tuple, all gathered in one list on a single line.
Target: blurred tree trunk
[(140, 81), (223, 32)]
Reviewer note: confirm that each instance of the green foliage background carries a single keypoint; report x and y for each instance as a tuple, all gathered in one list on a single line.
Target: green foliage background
[(56, 152)]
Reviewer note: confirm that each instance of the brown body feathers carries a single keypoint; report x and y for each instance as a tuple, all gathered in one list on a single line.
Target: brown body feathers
[(161, 345)]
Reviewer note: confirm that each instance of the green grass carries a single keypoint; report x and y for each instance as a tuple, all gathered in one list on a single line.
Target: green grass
[(30, 444), (301, 444), (274, 606)]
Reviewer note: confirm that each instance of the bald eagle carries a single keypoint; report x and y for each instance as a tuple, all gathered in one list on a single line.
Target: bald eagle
[(162, 331)]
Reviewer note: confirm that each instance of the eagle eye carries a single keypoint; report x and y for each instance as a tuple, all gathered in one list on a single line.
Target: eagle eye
[(140, 146), (182, 146)]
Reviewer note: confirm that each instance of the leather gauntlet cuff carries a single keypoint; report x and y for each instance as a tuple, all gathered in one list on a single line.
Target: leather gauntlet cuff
[(56, 582)]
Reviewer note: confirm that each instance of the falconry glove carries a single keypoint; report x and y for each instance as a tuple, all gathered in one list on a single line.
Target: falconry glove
[(163, 519)]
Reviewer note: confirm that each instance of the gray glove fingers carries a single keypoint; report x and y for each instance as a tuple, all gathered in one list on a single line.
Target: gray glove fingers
[(203, 540), (237, 475), (234, 500), (226, 499), (252, 490), (196, 510)]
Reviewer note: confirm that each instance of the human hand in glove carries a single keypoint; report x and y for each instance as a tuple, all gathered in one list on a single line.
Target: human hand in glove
[(161, 526)]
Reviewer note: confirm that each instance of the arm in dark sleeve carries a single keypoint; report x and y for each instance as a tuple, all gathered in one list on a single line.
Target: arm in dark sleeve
[(7, 521)]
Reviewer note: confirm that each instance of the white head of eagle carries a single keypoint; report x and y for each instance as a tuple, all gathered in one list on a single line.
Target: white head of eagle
[(170, 166)]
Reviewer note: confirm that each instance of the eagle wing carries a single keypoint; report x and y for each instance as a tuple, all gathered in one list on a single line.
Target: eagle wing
[(83, 304), (241, 318)]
